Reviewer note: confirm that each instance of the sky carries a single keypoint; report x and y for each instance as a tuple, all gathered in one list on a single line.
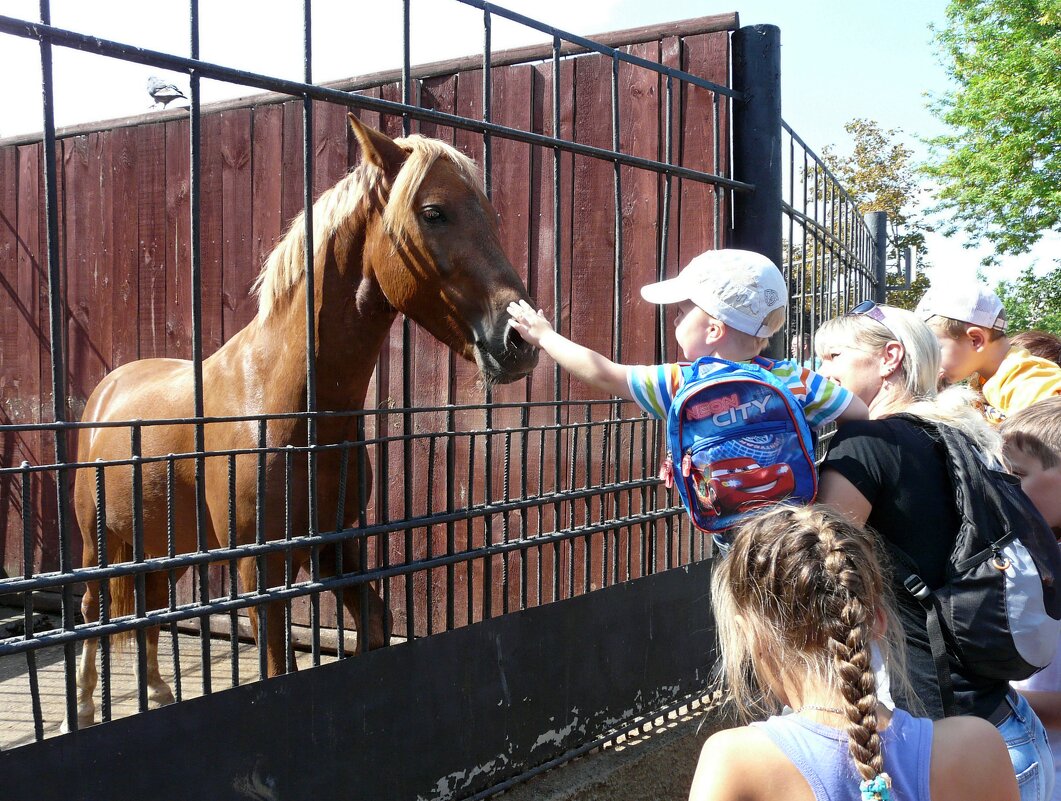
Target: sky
[(840, 60)]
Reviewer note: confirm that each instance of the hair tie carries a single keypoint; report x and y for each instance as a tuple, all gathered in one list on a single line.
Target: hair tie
[(877, 789)]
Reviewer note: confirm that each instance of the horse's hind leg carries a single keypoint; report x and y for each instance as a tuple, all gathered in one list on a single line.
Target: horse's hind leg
[(156, 586), (87, 677)]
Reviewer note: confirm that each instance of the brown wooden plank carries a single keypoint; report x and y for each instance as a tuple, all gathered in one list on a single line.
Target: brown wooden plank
[(242, 208), (640, 135), (87, 277), (291, 192), (211, 160), (16, 331), (178, 313), (125, 248), (265, 207), (702, 55), (151, 223), (511, 90), (330, 146)]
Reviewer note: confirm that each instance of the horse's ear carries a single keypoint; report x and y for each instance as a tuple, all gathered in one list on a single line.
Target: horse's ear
[(377, 148)]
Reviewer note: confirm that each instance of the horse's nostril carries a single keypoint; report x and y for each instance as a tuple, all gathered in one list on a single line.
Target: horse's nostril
[(515, 341)]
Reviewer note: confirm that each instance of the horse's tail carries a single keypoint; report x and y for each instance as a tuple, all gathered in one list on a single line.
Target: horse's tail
[(122, 600)]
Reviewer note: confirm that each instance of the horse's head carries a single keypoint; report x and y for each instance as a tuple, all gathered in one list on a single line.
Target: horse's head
[(435, 252)]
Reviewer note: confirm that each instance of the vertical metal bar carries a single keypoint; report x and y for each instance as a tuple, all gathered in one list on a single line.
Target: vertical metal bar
[(139, 582), (451, 503), (524, 422), (171, 577), (469, 533), (557, 287), (362, 542), (617, 319), (103, 559), (429, 533), (311, 345), (289, 490), (716, 124), (27, 571), (408, 470), (260, 563), (58, 361), (203, 570), (233, 573), (340, 568), (664, 238), (171, 580), (505, 495), (488, 467), (406, 60), (487, 103)]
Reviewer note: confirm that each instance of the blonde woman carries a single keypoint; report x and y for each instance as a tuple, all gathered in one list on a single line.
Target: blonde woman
[(890, 474), (798, 602)]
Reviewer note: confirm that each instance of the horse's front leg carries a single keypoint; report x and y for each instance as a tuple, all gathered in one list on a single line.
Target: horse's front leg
[(276, 655), (355, 598)]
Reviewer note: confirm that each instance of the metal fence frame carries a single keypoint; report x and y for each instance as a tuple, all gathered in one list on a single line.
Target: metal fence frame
[(822, 234)]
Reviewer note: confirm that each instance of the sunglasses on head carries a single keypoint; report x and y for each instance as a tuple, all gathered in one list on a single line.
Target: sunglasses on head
[(870, 309)]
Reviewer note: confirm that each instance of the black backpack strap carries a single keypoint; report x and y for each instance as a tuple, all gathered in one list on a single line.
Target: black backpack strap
[(917, 588)]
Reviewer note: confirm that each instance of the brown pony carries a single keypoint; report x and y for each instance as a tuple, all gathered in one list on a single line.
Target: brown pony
[(409, 230)]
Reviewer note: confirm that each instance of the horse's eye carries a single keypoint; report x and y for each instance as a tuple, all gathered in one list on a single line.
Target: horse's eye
[(432, 214)]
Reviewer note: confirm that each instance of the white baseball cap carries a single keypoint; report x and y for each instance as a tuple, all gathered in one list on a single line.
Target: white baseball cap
[(967, 302), (738, 287)]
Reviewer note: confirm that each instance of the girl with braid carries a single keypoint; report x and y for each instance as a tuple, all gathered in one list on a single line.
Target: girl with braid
[(798, 602)]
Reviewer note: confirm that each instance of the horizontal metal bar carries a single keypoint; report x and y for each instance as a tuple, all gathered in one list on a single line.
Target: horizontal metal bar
[(105, 47), (597, 47), (77, 575), (314, 449), (245, 600), (299, 415)]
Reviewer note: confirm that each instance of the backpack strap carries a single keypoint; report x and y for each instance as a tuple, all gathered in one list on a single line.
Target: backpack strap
[(906, 571)]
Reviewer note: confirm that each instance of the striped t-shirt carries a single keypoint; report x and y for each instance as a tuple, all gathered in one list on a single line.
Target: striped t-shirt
[(654, 387)]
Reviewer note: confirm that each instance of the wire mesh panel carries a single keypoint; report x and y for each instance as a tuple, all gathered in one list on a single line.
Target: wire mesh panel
[(829, 249)]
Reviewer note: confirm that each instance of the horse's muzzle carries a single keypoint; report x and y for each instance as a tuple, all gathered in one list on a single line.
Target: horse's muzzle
[(505, 356)]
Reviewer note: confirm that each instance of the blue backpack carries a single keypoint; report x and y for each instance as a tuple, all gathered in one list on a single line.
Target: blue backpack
[(742, 442)]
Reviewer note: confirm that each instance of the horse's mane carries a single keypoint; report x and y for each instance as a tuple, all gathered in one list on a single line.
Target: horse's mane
[(285, 266)]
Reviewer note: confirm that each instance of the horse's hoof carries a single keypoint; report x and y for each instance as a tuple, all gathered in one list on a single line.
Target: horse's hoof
[(160, 697), (86, 716)]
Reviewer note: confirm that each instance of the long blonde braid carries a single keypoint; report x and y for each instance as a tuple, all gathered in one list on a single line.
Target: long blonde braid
[(803, 588)]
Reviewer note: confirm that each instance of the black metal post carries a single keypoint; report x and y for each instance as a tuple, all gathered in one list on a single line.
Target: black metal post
[(757, 146), (878, 229)]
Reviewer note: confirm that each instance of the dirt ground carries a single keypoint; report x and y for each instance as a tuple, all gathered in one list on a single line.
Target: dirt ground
[(656, 762)]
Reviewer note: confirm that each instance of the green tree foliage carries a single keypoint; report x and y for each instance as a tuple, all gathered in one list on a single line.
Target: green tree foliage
[(999, 170), (1033, 302), (880, 175)]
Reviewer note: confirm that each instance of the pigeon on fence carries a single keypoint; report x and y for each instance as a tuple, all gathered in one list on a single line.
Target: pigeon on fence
[(162, 92)]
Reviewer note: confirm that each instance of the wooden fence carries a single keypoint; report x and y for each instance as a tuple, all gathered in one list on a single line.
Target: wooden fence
[(125, 229)]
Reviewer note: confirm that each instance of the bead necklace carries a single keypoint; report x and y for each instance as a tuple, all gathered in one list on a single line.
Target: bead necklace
[(832, 709)]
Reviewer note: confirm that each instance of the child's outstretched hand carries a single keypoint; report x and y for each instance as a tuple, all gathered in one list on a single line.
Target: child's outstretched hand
[(529, 324)]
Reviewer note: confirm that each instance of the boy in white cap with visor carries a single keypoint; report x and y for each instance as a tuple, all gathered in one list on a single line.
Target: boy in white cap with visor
[(970, 323), (729, 304)]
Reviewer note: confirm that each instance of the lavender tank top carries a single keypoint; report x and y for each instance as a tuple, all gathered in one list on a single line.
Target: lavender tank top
[(820, 753)]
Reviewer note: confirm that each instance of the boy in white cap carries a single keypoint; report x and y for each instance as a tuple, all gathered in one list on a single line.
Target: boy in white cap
[(970, 323), (729, 304)]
